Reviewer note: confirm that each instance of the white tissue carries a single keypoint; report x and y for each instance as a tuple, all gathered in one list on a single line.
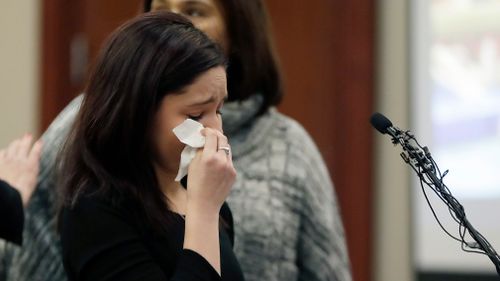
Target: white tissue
[(189, 133)]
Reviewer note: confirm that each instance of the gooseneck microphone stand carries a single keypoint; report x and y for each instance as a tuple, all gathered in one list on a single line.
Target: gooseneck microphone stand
[(420, 160)]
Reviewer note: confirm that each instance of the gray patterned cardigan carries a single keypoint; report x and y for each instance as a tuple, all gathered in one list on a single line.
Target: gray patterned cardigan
[(287, 223)]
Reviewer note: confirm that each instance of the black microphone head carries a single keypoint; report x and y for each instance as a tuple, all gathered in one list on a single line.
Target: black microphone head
[(380, 122)]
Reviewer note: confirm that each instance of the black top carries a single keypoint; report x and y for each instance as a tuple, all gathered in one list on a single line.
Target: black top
[(12, 214), (102, 242)]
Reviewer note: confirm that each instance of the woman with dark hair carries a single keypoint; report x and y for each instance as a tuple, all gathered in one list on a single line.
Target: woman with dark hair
[(124, 216)]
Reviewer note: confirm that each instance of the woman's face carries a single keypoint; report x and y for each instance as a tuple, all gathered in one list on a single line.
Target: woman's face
[(200, 101), (206, 15)]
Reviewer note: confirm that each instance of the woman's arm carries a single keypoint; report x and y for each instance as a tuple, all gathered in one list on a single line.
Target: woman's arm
[(322, 249), (211, 176), (19, 164), (11, 214)]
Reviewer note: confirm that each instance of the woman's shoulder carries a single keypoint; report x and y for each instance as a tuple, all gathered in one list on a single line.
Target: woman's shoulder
[(288, 125), (54, 138), (96, 220), (271, 126), (57, 131), (90, 209), (92, 206), (283, 145), (283, 130)]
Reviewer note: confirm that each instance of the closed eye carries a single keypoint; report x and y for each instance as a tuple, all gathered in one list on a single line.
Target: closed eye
[(195, 117)]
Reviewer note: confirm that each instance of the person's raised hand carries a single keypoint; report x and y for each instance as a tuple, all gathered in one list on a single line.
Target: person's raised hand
[(211, 173), (19, 165)]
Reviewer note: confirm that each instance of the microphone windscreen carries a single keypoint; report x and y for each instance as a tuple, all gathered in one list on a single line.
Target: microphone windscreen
[(380, 122)]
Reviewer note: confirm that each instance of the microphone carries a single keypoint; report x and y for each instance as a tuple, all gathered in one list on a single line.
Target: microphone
[(420, 160), (412, 153), (384, 125)]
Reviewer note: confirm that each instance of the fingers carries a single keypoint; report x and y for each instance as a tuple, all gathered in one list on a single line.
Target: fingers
[(216, 143), (19, 165), (211, 141), (24, 145), (223, 145), (213, 170), (11, 150), (22, 148), (36, 151)]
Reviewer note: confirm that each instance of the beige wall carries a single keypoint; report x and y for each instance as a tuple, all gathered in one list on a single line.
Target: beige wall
[(392, 255), (19, 57)]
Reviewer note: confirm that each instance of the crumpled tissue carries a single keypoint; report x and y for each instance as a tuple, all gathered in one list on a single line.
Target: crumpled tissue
[(189, 133)]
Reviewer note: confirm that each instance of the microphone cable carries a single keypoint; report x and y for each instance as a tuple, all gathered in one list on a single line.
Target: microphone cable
[(419, 158)]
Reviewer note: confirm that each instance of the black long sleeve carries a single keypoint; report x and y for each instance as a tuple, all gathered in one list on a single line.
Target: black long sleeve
[(12, 214), (101, 242)]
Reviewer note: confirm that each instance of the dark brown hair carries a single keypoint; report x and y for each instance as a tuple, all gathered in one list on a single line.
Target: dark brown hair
[(253, 65), (109, 151)]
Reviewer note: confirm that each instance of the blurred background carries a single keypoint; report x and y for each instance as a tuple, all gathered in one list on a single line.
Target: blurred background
[(429, 65)]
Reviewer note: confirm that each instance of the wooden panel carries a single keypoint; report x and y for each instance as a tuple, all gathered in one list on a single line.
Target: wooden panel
[(327, 50), (61, 20), (355, 51), (82, 25), (102, 17)]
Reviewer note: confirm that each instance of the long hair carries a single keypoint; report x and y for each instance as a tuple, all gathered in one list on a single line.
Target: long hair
[(253, 63), (110, 147)]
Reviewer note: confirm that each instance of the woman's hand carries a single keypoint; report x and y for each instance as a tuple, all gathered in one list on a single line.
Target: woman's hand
[(211, 174), (19, 165)]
